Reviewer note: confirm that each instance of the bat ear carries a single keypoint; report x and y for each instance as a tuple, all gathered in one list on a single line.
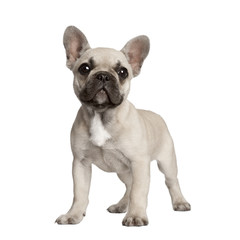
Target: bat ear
[(75, 44), (136, 50)]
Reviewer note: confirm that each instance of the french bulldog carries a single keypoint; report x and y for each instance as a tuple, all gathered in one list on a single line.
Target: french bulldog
[(111, 133)]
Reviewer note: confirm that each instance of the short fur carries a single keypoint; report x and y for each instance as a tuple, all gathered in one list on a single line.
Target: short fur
[(111, 133)]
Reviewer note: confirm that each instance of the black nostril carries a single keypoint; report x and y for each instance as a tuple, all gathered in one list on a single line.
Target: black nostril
[(103, 77)]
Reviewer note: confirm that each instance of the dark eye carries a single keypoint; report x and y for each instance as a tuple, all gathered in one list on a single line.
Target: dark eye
[(122, 73), (84, 69)]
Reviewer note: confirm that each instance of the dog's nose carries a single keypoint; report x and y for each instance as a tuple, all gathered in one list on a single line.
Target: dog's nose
[(103, 76)]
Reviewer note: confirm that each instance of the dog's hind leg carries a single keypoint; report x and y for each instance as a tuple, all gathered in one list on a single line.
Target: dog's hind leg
[(122, 205), (168, 166)]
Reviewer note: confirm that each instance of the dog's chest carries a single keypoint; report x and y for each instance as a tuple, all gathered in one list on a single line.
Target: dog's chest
[(98, 134), (106, 154), (113, 160)]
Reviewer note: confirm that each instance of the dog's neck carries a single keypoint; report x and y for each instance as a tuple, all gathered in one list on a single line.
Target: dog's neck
[(102, 124), (108, 116)]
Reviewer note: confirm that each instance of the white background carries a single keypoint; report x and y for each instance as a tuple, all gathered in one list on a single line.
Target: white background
[(191, 77)]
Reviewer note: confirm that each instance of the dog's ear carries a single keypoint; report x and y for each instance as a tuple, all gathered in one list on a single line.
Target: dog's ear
[(75, 44), (136, 50)]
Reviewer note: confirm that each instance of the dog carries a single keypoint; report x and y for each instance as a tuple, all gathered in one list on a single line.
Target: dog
[(111, 133)]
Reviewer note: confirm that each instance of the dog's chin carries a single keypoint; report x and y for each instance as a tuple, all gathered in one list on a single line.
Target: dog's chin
[(101, 101), (101, 97)]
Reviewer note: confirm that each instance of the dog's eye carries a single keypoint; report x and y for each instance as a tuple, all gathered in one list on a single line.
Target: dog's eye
[(84, 69), (122, 73)]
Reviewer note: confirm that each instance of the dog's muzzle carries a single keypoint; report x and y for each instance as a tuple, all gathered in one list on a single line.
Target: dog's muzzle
[(101, 91)]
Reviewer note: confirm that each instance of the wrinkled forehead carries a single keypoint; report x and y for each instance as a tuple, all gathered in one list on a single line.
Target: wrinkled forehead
[(104, 57)]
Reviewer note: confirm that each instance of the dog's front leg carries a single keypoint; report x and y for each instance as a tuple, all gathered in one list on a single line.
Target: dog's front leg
[(136, 215), (81, 180)]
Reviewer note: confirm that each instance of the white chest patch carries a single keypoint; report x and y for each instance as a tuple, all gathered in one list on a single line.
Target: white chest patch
[(99, 134)]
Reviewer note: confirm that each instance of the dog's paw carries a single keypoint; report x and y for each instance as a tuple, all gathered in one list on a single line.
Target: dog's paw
[(137, 221), (69, 219), (118, 208), (181, 206)]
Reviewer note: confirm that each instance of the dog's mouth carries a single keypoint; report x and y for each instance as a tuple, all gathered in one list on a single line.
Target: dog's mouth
[(101, 96)]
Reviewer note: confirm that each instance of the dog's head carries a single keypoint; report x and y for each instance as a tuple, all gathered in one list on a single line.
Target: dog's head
[(102, 75)]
